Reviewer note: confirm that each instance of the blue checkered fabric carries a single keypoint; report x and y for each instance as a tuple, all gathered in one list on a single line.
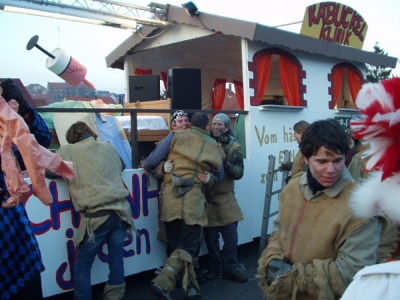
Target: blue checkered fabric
[(40, 130), (20, 258)]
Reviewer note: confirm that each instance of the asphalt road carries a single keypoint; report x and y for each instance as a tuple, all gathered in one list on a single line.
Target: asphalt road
[(138, 285)]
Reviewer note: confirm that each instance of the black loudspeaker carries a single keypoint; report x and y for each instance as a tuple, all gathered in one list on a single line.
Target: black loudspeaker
[(144, 87), (184, 88)]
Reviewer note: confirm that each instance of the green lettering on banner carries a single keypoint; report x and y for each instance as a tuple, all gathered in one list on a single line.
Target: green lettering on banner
[(344, 122)]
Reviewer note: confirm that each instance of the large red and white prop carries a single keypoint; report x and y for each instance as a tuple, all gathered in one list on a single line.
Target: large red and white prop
[(379, 125), (379, 128), (63, 65), (37, 159)]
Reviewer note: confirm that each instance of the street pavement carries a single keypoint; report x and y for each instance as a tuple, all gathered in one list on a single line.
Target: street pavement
[(138, 285)]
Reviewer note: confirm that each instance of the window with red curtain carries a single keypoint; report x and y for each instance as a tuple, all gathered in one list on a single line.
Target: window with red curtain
[(139, 71), (290, 77), (239, 93), (290, 82), (355, 82), (218, 93), (264, 66), (341, 87), (337, 86)]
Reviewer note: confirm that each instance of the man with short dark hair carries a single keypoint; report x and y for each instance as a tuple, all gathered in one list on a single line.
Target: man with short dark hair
[(318, 244), (197, 157), (98, 193)]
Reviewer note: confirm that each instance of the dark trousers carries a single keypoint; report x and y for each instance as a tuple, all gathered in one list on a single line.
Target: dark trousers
[(225, 260), (183, 236)]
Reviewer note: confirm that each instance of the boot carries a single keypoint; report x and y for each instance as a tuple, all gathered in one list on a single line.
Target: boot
[(192, 288), (175, 263), (114, 292)]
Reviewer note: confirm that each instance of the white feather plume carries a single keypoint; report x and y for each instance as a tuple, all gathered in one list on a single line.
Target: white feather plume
[(371, 92), (374, 197)]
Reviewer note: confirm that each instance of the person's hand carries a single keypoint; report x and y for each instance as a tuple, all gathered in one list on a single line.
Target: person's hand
[(284, 167), (277, 267), (6, 201), (10, 203), (283, 286), (168, 166), (204, 177)]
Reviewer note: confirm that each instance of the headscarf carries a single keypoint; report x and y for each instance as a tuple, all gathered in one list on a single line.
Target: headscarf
[(224, 118), (178, 114)]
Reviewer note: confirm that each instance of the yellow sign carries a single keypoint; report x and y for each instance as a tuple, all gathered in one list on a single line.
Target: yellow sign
[(335, 23)]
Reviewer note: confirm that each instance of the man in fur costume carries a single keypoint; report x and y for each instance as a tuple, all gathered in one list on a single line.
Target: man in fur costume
[(379, 129), (196, 157), (318, 244), (179, 121), (223, 210), (98, 193)]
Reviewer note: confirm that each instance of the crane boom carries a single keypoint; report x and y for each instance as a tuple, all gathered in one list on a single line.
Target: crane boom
[(111, 13)]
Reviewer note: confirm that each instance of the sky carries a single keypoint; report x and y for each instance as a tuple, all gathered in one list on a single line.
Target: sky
[(90, 44)]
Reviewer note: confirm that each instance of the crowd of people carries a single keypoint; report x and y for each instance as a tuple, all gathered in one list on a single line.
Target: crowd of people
[(317, 246)]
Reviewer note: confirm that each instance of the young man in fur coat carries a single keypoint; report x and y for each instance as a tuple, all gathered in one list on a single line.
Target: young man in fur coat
[(318, 244)]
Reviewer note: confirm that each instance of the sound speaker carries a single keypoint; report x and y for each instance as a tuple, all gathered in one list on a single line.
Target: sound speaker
[(184, 88), (144, 87)]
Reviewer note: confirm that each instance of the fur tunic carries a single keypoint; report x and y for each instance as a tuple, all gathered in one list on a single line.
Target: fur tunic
[(193, 152), (222, 206), (97, 185), (313, 229)]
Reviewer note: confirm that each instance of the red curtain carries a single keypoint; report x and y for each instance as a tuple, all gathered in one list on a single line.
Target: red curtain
[(337, 85), (290, 77), (239, 93), (139, 71), (264, 66), (355, 83), (218, 94), (164, 78)]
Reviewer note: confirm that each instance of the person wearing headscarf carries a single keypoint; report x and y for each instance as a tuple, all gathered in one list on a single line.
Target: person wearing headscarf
[(180, 120), (223, 210)]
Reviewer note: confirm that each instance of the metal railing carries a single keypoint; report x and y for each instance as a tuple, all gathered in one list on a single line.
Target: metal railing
[(133, 112)]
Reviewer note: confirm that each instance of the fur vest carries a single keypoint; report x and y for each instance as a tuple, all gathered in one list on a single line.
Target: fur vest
[(193, 152), (222, 206)]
